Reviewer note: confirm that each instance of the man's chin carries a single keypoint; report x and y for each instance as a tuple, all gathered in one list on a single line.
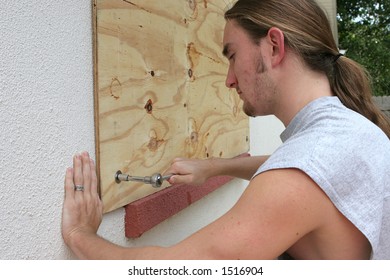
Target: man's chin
[(249, 111)]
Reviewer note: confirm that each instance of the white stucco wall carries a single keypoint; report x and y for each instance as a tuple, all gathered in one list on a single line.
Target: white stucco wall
[(46, 115)]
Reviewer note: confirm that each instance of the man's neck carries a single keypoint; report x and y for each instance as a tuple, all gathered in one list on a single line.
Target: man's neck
[(298, 86)]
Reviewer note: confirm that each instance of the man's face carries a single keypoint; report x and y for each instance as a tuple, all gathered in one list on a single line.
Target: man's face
[(248, 72)]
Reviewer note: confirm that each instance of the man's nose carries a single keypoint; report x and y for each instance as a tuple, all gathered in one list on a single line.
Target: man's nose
[(231, 80)]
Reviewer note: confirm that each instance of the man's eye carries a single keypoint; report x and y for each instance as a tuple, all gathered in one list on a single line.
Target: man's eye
[(231, 57)]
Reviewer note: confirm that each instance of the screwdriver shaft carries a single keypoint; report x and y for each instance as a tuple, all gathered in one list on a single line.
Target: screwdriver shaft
[(166, 177)]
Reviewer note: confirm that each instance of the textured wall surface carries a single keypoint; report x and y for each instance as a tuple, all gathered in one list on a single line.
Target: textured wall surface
[(46, 115)]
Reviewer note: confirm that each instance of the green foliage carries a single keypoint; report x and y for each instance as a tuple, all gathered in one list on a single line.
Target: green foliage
[(364, 32)]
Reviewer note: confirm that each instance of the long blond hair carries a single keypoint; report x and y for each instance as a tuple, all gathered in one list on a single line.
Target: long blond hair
[(308, 33)]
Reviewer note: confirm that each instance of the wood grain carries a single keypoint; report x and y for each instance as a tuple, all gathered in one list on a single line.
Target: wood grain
[(159, 91)]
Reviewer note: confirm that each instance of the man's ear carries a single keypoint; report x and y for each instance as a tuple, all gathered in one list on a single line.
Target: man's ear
[(275, 37)]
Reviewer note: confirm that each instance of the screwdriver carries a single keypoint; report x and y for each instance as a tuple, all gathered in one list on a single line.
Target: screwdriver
[(155, 180)]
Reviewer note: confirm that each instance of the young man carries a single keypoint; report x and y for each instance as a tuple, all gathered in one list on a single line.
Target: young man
[(324, 194)]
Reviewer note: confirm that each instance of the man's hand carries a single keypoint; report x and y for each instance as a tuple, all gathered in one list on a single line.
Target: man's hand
[(197, 171), (191, 171), (82, 209)]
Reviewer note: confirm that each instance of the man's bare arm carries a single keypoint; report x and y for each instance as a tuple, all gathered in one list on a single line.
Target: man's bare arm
[(276, 210), (197, 171)]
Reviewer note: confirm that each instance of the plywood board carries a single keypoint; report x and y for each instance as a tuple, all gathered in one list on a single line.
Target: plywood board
[(159, 91)]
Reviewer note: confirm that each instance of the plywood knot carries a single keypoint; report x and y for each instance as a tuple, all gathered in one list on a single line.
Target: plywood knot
[(194, 137), (149, 106), (193, 55), (154, 142)]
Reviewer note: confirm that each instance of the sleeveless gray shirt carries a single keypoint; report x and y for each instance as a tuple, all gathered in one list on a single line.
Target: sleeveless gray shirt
[(349, 159)]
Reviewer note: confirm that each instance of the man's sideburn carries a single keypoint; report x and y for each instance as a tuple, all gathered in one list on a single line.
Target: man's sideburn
[(262, 97)]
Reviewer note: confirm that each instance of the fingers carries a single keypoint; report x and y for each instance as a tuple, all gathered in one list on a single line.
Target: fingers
[(180, 179), (178, 166), (82, 210), (77, 170), (93, 177), (180, 174), (86, 171), (188, 171), (178, 159), (69, 185)]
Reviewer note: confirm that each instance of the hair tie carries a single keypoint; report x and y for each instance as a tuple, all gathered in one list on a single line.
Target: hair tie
[(337, 57)]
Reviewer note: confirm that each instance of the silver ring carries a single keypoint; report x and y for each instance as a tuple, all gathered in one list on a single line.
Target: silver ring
[(79, 188)]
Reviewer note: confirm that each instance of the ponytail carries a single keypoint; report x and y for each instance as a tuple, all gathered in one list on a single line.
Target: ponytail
[(351, 84)]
